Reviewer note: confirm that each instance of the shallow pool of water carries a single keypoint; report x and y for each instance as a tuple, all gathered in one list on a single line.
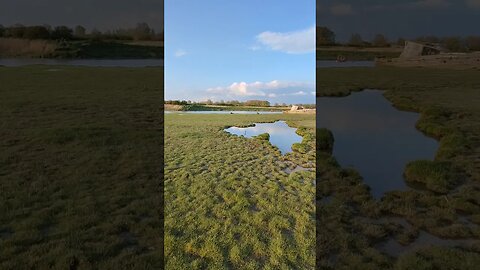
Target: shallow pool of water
[(221, 112), (281, 135), (374, 138)]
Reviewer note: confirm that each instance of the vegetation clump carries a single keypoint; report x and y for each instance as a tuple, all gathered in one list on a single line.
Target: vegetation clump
[(325, 140), (436, 176), (300, 148), (263, 137)]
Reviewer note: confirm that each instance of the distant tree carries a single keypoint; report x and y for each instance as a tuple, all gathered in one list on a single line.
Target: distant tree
[(95, 34), (62, 32), (473, 43), (80, 31), (261, 103), (356, 40), (308, 106), (453, 44), (401, 41), (325, 36), (380, 41), (36, 32), (143, 32), (15, 31), (2, 30), (209, 102)]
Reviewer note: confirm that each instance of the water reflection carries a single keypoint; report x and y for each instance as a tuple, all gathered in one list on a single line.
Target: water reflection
[(281, 135), (374, 138)]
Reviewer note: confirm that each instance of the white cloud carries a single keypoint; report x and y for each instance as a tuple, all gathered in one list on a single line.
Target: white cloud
[(341, 9), (473, 3), (255, 48), (261, 89), (299, 93), (180, 53), (297, 42)]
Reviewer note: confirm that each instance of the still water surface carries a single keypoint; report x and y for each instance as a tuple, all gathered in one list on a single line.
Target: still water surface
[(281, 135), (374, 138)]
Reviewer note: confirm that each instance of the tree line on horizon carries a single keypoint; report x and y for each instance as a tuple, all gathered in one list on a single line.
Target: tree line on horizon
[(142, 32), (249, 103), (327, 37)]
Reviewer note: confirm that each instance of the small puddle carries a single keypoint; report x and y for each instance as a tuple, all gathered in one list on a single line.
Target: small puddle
[(374, 138), (281, 135)]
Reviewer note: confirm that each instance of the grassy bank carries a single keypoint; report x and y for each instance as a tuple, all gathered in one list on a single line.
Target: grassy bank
[(447, 203), (10, 48), (356, 54), (198, 107), (80, 155), (229, 204)]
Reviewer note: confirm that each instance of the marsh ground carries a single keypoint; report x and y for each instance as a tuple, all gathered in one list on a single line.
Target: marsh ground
[(229, 204), (357, 53), (444, 199), (80, 150)]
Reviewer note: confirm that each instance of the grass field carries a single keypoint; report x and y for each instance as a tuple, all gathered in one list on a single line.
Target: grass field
[(228, 202), (80, 155), (445, 200)]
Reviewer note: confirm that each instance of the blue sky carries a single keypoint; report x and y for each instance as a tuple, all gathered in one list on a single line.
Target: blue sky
[(240, 50)]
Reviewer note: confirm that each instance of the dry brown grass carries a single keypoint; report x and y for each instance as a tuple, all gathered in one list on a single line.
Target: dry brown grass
[(170, 107), (12, 47)]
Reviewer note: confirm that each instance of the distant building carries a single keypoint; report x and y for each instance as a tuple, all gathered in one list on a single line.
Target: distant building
[(416, 54), (295, 108), (300, 109), (416, 49)]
